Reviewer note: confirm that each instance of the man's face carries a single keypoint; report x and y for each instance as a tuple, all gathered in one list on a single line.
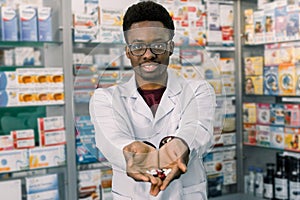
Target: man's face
[(149, 67)]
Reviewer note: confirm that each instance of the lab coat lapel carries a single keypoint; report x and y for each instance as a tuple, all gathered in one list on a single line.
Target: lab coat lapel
[(167, 102), (140, 107), (166, 105), (129, 90)]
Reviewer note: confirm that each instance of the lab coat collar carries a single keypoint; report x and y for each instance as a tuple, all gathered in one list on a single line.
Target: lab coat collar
[(129, 89)]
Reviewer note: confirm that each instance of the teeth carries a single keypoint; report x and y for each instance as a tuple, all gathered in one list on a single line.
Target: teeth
[(150, 67)]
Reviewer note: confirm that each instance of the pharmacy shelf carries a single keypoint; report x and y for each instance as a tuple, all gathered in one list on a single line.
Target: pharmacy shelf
[(220, 48), (273, 148), (27, 44), (13, 67), (33, 105), (237, 196)]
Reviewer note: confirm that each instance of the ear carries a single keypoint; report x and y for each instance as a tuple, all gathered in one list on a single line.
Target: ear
[(127, 52), (171, 48)]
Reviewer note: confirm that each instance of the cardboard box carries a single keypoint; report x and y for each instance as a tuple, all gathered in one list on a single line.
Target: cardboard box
[(51, 194), (52, 138), (22, 134), (51, 123), (277, 114), (45, 24), (11, 189), (8, 80), (9, 98), (43, 157), (13, 160), (6, 143), (249, 113), (277, 137), (263, 113), (263, 135), (44, 183), (9, 24), (28, 23)]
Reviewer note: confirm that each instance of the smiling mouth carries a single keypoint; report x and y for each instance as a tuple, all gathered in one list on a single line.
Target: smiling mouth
[(149, 68)]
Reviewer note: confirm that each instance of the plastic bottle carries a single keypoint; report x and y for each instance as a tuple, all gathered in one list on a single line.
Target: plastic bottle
[(281, 178), (259, 182), (269, 182), (251, 180), (294, 181)]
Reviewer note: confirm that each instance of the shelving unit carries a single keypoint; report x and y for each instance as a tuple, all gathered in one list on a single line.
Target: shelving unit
[(225, 52), (259, 154), (53, 54), (60, 52)]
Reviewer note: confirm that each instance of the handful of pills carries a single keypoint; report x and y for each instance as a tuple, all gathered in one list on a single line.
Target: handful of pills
[(161, 173)]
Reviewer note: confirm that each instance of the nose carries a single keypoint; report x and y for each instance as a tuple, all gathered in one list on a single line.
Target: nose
[(148, 54)]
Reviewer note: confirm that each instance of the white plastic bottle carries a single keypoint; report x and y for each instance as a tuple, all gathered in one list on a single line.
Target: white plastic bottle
[(259, 182), (251, 180)]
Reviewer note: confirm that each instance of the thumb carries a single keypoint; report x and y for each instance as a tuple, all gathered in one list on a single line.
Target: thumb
[(182, 166)]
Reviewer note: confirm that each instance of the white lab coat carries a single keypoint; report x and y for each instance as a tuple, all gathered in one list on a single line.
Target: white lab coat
[(121, 116)]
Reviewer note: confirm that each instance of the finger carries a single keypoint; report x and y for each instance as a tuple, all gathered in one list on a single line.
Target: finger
[(153, 180), (169, 178), (138, 177), (155, 188), (182, 166)]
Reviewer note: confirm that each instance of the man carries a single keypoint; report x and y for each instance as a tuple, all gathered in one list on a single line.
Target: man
[(155, 108)]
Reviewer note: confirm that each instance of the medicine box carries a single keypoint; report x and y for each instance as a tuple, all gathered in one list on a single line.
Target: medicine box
[(85, 20), (263, 136), (89, 183), (83, 96), (111, 16), (86, 34), (55, 77), (11, 189), (42, 157), (263, 113), (110, 34), (51, 123), (191, 57), (229, 138), (26, 77), (277, 137), (249, 113), (85, 69), (27, 96), (41, 183), (24, 144), (22, 134), (13, 160), (9, 98), (28, 23), (9, 24), (8, 80), (45, 24), (6, 143), (52, 138), (292, 115), (86, 82), (109, 75), (86, 149), (51, 194), (26, 56)]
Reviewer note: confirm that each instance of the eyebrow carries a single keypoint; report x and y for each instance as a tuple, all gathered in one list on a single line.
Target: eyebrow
[(155, 40)]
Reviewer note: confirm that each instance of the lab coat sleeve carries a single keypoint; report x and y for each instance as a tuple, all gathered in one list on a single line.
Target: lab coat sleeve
[(197, 119), (111, 131)]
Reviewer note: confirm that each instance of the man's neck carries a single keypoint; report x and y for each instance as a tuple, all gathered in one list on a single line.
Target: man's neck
[(151, 86), (148, 85)]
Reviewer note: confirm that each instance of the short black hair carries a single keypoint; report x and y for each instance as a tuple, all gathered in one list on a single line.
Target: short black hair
[(147, 11)]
